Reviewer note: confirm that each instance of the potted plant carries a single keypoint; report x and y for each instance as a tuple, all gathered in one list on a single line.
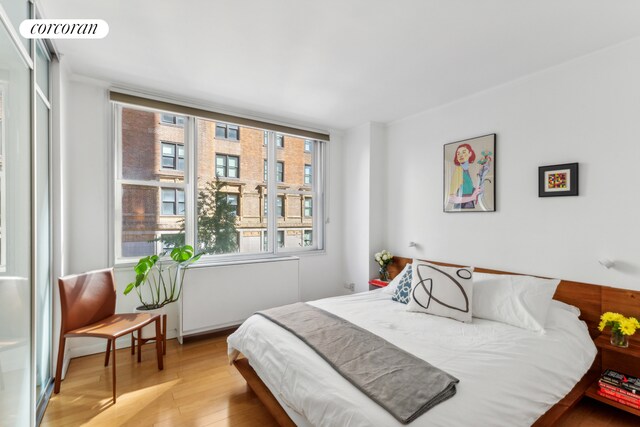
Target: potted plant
[(159, 280)]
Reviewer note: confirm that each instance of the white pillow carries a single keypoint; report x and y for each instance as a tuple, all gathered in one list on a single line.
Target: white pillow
[(393, 284), (521, 301), (566, 307), (441, 291)]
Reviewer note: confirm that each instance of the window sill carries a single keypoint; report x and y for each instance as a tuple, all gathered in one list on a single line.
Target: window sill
[(237, 260)]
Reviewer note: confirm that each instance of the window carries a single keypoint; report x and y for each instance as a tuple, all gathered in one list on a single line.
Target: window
[(280, 172), (232, 200), (266, 170), (226, 131), (227, 166), (171, 119), (279, 141), (172, 201), (156, 208), (307, 174), (172, 156), (307, 238), (308, 144), (308, 207), (280, 206)]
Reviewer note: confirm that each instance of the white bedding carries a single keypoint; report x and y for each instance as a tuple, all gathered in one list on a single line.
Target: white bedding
[(508, 376)]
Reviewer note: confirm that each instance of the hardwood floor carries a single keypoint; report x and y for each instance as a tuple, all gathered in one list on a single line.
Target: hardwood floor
[(198, 388)]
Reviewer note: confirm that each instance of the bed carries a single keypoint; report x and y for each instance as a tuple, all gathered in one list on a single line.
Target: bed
[(508, 376)]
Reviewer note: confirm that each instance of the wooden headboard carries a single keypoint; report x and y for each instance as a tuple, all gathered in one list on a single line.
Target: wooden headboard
[(592, 300)]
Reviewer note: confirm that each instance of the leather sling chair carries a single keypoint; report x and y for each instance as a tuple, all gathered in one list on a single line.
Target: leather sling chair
[(88, 303)]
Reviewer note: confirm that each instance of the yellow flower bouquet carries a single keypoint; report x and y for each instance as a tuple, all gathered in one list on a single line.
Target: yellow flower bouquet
[(621, 327)]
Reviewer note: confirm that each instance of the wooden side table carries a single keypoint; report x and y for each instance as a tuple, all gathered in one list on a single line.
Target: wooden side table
[(377, 284), (623, 360), (139, 340)]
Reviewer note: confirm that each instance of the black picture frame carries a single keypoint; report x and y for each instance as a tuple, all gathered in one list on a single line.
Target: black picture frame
[(480, 176), (558, 180)]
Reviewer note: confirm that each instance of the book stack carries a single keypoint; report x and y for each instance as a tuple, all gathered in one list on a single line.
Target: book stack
[(622, 388)]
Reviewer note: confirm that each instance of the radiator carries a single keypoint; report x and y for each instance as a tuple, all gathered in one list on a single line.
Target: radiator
[(215, 297)]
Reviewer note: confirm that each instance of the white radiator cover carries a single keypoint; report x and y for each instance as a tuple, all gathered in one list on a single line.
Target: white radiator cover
[(215, 297)]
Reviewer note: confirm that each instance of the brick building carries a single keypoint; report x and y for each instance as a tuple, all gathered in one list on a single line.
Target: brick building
[(153, 152)]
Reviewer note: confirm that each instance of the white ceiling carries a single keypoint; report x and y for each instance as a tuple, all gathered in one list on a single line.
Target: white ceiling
[(335, 63)]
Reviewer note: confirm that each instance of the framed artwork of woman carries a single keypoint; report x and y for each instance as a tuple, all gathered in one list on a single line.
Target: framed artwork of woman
[(469, 175)]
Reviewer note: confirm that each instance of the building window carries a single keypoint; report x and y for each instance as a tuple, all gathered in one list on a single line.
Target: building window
[(280, 206), (227, 131), (280, 172), (172, 201), (266, 170), (171, 119), (150, 187), (232, 200), (227, 166), (172, 156), (307, 174), (307, 238), (308, 207)]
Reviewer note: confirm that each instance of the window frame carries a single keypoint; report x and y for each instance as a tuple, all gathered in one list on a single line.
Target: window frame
[(189, 185), (280, 179), (176, 156), (226, 127), (310, 174), (226, 165), (174, 121)]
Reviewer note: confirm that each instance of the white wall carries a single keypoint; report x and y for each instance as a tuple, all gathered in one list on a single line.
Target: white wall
[(582, 111), (86, 204), (364, 186)]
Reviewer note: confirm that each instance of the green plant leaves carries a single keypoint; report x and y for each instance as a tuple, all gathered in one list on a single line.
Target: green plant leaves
[(154, 272), (129, 288)]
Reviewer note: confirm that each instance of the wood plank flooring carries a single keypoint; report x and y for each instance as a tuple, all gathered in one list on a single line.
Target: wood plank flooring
[(198, 388)]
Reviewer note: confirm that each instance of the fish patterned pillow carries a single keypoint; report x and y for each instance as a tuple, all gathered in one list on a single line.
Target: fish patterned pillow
[(442, 291)]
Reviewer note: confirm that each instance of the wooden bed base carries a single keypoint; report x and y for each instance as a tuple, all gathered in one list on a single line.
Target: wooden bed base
[(592, 300)]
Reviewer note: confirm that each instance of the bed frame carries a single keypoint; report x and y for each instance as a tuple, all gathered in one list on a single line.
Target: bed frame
[(592, 300)]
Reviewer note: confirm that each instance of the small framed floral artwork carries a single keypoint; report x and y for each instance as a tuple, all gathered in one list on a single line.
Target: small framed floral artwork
[(470, 175), (558, 180)]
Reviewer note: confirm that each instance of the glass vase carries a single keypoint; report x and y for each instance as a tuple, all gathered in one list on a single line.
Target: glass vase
[(619, 339), (384, 274)]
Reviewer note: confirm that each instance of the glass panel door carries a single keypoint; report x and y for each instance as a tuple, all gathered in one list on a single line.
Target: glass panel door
[(15, 225)]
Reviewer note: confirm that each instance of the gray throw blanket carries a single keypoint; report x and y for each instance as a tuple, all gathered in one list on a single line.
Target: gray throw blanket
[(403, 384)]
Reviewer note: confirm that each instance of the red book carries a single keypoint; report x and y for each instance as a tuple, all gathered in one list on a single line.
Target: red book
[(378, 283), (615, 389), (617, 398)]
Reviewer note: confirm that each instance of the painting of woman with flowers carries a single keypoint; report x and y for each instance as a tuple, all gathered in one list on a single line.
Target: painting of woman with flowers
[(469, 175)]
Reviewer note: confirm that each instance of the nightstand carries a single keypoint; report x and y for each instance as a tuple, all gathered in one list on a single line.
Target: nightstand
[(623, 360), (377, 284)]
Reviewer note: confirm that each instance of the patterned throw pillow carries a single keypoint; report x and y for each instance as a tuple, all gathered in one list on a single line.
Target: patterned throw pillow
[(442, 291), (404, 287)]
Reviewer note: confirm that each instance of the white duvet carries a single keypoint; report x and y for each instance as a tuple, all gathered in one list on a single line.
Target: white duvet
[(508, 376)]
